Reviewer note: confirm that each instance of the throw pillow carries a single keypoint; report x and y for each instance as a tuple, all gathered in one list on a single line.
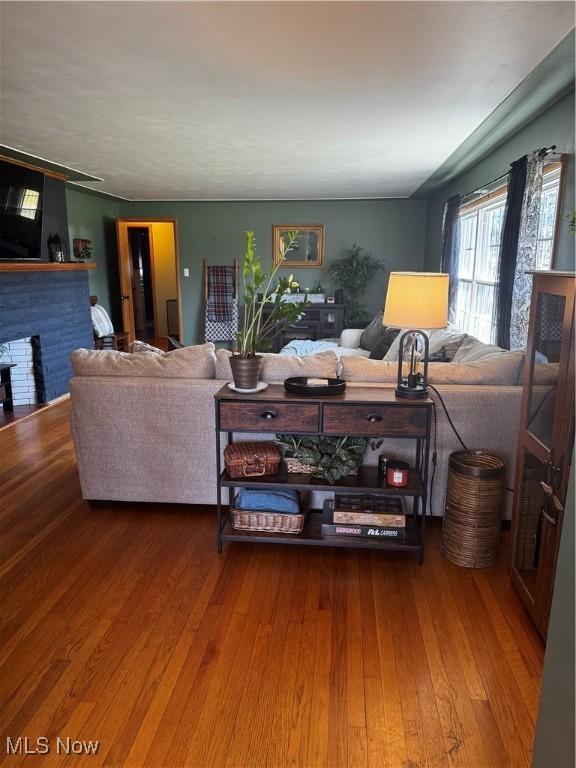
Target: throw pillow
[(371, 334), (384, 342), (277, 368), (142, 346), (196, 362), (472, 350)]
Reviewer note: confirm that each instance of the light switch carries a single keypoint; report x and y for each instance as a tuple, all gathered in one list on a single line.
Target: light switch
[(186, 272)]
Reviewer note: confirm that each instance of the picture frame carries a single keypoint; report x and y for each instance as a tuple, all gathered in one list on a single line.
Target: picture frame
[(82, 249), (308, 250)]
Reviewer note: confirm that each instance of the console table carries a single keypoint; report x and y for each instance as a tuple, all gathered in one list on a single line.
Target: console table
[(318, 321), (360, 411)]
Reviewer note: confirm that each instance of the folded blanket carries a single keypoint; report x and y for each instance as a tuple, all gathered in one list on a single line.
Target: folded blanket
[(304, 347), (272, 501)]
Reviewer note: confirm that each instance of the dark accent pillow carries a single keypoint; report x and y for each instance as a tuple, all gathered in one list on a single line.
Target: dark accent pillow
[(384, 343), (174, 343), (372, 332)]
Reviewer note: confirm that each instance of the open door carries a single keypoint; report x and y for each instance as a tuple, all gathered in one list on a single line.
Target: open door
[(149, 279)]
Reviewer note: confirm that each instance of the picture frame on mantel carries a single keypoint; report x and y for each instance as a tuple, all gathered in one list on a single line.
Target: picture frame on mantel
[(307, 251)]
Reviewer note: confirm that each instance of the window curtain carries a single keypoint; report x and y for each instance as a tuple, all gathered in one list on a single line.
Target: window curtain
[(451, 250), (527, 251), (509, 250)]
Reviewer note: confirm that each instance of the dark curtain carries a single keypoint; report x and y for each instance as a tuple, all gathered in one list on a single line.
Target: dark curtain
[(509, 250), (451, 248)]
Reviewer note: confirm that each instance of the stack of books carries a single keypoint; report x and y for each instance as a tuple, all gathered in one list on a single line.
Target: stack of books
[(365, 516)]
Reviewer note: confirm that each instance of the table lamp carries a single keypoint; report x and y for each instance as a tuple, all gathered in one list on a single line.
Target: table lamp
[(415, 300)]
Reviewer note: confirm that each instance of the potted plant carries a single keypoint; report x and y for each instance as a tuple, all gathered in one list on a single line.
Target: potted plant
[(328, 457), (257, 331), (352, 274)]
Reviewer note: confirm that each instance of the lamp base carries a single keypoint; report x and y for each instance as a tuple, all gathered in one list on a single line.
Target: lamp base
[(416, 392)]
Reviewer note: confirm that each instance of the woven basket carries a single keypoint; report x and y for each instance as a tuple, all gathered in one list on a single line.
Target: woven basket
[(295, 465), (272, 522), (471, 525)]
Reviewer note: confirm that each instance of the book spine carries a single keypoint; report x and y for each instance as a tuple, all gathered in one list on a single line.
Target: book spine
[(366, 531)]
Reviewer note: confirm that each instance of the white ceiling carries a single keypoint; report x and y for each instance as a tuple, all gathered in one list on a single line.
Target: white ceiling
[(262, 100)]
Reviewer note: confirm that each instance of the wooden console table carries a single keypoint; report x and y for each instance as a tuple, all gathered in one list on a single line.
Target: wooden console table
[(360, 411)]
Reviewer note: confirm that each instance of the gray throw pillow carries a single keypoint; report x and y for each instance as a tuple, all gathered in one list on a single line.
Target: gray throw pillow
[(372, 332), (384, 343)]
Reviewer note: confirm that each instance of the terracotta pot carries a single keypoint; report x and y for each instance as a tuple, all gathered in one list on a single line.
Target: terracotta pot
[(246, 371)]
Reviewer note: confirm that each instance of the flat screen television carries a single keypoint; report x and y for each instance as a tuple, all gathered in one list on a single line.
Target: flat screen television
[(21, 202)]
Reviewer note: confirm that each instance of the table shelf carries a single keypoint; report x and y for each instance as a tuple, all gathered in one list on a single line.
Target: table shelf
[(312, 536), (366, 481)]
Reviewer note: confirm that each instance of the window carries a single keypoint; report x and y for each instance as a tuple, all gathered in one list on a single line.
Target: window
[(29, 203), (481, 224)]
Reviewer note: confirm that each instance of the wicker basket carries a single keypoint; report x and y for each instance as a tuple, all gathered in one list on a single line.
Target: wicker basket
[(272, 522), (471, 525), (295, 465)]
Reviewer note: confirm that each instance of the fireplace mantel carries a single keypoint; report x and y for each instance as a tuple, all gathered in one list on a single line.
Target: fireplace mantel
[(45, 266)]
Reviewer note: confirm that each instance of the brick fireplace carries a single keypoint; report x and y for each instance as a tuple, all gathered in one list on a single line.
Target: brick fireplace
[(50, 308)]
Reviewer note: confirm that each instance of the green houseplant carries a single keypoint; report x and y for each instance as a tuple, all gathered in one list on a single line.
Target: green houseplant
[(257, 331), (333, 457), (352, 274)]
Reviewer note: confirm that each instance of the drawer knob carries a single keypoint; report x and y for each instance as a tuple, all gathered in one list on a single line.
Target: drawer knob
[(268, 415), (374, 417)]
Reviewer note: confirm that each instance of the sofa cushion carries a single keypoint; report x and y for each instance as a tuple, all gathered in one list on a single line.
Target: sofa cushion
[(277, 368), (500, 370), (196, 362)]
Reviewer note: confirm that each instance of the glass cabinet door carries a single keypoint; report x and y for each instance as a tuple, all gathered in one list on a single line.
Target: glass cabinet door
[(546, 355)]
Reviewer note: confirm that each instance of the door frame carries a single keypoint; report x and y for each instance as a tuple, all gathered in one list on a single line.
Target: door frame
[(125, 268)]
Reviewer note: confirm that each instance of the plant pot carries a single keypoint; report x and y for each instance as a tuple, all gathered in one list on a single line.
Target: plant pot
[(246, 371)]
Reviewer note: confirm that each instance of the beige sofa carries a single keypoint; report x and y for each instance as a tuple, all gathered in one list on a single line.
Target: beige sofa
[(143, 424)]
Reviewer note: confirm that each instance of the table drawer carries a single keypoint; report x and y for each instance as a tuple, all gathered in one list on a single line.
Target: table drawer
[(375, 420), (274, 417)]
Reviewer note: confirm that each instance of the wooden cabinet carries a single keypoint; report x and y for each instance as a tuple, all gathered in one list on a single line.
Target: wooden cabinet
[(318, 321), (545, 443)]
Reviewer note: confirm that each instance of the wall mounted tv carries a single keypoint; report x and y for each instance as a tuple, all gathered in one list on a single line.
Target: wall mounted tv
[(21, 204)]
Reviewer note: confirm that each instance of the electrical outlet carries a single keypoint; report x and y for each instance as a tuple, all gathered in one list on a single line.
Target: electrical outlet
[(186, 272)]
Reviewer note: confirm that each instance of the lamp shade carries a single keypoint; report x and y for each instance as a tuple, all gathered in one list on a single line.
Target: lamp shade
[(417, 300)]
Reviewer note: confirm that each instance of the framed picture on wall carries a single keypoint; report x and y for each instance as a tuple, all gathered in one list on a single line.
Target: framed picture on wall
[(306, 251), (82, 249)]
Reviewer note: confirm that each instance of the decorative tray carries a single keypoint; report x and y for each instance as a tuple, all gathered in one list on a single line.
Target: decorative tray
[(298, 385)]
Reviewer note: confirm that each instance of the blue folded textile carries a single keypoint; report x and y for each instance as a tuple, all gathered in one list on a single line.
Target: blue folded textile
[(273, 501), (305, 347)]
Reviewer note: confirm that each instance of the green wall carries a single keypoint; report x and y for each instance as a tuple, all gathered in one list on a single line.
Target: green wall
[(554, 126), (392, 229), (93, 217), (554, 743)]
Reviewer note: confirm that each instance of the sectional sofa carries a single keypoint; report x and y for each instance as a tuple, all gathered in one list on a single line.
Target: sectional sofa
[(143, 423)]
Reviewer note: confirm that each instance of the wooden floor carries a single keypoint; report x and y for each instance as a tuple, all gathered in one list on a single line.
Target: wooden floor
[(124, 626)]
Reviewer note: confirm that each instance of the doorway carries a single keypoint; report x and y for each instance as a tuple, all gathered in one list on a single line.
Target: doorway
[(149, 280)]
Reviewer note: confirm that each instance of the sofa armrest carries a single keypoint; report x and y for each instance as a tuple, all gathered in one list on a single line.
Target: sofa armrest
[(350, 337)]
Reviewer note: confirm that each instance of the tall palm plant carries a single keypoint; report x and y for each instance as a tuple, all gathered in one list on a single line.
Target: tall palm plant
[(352, 274)]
